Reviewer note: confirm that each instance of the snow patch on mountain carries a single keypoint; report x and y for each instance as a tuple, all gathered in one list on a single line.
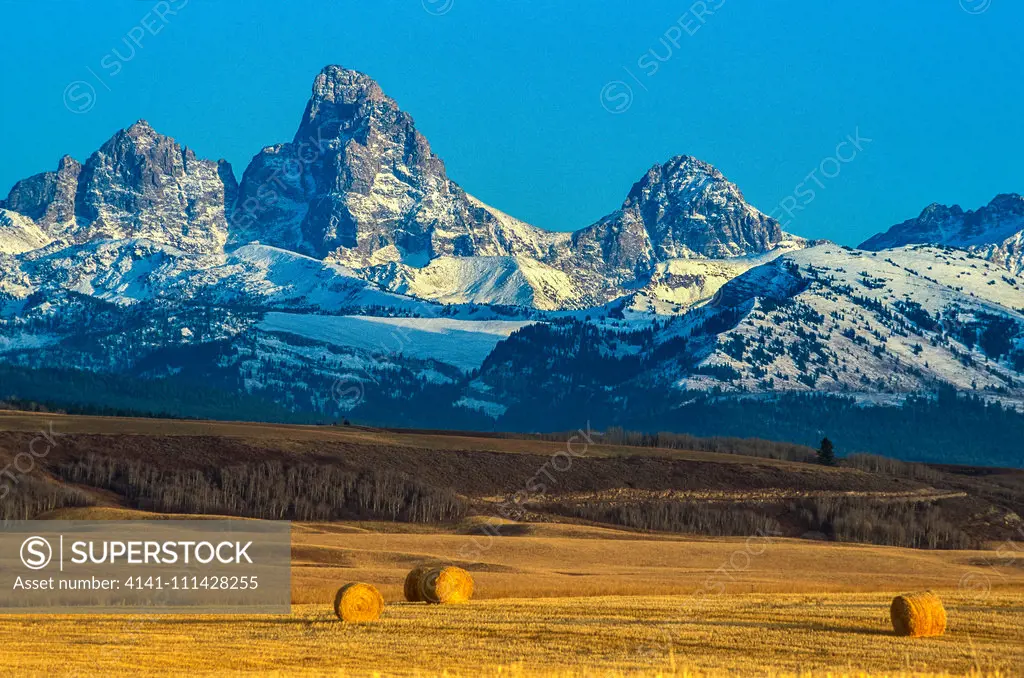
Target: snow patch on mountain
[(505, 281), (678, 285), (464, 344), (20, 234), (282, 278)]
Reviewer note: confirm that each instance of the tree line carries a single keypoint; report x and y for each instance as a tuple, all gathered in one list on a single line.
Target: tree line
[(270, 490)]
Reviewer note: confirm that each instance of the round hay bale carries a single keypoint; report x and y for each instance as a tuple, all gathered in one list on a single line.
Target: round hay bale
[(412, 583), (446, 585), (358, 603), (918, 615)]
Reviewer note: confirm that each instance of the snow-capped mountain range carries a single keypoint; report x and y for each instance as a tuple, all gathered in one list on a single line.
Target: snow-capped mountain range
[(993, 231), (348, 257)]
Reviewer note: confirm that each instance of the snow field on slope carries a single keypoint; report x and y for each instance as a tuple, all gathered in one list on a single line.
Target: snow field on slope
[(19, 233), (462, 343), (455, 280)]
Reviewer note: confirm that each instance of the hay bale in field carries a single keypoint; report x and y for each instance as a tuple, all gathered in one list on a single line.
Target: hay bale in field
[(446, 585), (358, 603), (412, 583), (918, 615)]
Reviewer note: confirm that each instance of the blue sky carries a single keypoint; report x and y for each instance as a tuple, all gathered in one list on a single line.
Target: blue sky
[(551, 110)]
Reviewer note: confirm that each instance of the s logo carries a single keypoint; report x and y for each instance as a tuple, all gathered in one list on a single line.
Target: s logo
[(36, 553)]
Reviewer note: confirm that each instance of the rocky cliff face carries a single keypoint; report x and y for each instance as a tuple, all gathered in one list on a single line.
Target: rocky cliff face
[(359, 185), (48, 198), (144, 184), (690, 209), (683, 209), (139, 184)]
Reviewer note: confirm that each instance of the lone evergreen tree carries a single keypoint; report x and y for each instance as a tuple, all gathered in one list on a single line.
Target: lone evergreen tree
[(826, 453)]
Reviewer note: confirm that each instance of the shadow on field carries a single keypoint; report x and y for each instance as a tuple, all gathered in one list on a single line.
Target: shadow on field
[(810, 626), (499, 530), (241, 620)]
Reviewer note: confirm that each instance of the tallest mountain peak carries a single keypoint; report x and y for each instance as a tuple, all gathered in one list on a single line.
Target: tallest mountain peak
[(344, 85), (684, 163), (362, 185), (140, 127), (343, 99)]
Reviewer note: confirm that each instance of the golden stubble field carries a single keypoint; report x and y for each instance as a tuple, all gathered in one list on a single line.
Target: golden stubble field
[(750, 634), (552, 599), (569, 600)]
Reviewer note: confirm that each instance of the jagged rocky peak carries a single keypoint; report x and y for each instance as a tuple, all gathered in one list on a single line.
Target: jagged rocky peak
[(144, 184), (48, 198), (690, 208), (138, 184), (1000, 220), (682, 209), (360, 185), (342, 98)]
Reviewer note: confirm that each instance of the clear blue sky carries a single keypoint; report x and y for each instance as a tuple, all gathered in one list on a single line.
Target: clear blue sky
[(510, 93)]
